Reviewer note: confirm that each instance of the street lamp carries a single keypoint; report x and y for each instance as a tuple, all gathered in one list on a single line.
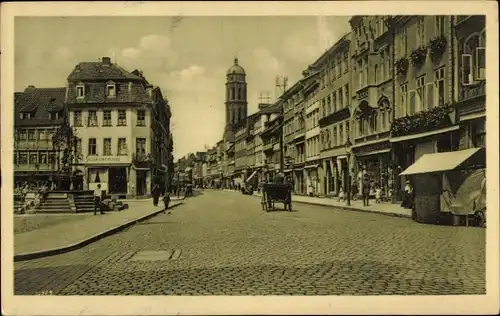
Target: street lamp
[(348, 150)]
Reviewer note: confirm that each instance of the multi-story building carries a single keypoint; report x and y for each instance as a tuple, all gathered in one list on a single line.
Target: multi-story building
[(240, 152), (470, 71), (271, 140), (372, 97), (425, 89), (39, 112), (123, 126), (313, 170), (294, 135), (335, 114)]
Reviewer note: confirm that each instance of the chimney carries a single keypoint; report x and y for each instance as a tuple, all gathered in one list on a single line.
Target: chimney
[(106, 60)]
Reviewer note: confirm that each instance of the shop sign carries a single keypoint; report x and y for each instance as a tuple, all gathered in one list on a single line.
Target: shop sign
[(107, 159), (373, 147)]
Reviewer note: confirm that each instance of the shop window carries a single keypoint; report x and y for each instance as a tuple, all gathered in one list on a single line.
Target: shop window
[(97, 178)]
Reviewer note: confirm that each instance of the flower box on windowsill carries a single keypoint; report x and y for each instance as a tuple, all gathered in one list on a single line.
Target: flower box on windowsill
[(421, 122), (437, 47), (418, 56), (142, 160)]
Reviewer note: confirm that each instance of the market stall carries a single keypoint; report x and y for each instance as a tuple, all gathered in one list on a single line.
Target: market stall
[(449, 187)]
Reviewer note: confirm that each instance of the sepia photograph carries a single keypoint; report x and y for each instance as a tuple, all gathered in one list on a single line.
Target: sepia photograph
[(310, 154)]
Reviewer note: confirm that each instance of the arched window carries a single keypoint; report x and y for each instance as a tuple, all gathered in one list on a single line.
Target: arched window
[(376, 74), (233, 93), (474, 59)]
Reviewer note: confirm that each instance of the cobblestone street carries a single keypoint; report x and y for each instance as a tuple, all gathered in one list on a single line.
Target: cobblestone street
[(222, 243)]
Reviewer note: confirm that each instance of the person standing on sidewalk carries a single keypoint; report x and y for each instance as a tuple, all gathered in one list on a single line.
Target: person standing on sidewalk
[(366, 192), (156, 194), (97, 200)]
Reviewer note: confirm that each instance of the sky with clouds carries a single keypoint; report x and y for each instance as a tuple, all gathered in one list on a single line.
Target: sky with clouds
[(188, 58)]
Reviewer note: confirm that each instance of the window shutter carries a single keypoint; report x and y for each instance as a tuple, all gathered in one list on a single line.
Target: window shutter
[(467, 69), (480, 63), (413, 100), (430, 96)]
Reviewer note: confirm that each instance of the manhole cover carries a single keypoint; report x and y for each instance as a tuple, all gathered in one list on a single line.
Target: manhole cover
[(160, 255)]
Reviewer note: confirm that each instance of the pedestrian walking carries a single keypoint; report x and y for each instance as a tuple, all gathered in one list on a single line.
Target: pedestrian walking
[(97, 200), (366, 192), (341, 194), (156, 194)]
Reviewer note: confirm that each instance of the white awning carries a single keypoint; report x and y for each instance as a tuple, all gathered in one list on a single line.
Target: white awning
[(251, 176), (425, 134), (440, 161)]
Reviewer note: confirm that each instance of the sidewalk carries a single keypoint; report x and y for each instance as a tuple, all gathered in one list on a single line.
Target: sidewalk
[(69, 236), (378, 208)]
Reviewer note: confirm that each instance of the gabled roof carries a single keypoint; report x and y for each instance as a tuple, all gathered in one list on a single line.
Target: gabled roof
[(39, 102), (101, 71)]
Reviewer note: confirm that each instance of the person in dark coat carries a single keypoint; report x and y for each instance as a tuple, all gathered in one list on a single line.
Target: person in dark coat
[(166, 200), (156, 194), (366, 192)]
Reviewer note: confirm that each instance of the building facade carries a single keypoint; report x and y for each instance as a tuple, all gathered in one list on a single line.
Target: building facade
[(470, 71), (335, 99), (39, 113), (123, 126)]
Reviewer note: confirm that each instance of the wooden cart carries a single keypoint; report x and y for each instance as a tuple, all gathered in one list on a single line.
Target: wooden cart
[(276, 192)]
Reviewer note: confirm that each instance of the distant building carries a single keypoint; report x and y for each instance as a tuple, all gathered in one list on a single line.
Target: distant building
[(236, 99), (123, 125), (38, 113)]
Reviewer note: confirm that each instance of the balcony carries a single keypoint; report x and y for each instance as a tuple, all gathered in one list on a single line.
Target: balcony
[(473, 92), (368, 93)]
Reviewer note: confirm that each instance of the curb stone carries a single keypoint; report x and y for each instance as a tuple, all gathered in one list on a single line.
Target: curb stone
[(85, 242)]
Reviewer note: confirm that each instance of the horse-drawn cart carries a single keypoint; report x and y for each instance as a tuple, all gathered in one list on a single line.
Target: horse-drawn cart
[(276, 192)]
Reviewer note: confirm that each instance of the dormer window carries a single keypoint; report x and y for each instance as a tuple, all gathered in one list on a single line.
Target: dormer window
[(54, 115), (25, 116), (110, 89), (80, 91)]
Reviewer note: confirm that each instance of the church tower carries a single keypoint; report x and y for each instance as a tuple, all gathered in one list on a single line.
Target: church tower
[(236, 98)]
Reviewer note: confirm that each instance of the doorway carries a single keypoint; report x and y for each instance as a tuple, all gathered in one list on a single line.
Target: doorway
[(117, 180), (141, 182)]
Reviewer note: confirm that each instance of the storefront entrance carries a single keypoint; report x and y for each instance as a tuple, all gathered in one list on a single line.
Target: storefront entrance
[(117, 180), (141, 176)]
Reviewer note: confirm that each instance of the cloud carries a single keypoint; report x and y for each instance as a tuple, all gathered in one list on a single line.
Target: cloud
[(195, 93)]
